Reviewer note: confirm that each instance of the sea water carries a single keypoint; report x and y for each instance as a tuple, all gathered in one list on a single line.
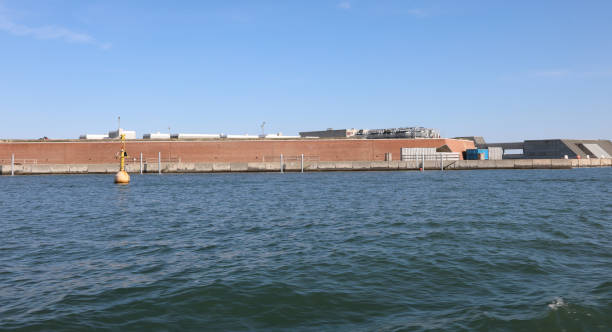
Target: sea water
[(505, 250)]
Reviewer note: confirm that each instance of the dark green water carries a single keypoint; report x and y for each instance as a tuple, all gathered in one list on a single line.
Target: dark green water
[(387, 251)]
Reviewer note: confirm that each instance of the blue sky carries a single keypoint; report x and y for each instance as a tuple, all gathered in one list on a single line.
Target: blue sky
[(505, 70)]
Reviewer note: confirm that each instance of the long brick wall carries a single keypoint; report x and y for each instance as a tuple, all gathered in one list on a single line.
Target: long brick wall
[(87, 152)]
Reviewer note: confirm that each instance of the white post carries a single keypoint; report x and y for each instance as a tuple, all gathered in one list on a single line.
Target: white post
[(141, 163), (12, 164), (441, 162), (423, 164), (302, 163), (159, 162), (281, 163)]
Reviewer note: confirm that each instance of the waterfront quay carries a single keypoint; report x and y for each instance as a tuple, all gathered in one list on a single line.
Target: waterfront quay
[(298, 166)]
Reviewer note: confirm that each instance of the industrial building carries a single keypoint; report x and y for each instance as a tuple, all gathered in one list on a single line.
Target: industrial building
[(113, 134), (116, 134), (548, 148), (404, 132), (329, 133), (93, 136), (156, 135), (225, 150), (559, 148)]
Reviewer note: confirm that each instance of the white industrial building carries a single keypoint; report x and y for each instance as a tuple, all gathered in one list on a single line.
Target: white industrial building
[(156, 135), (129, 134), (195, 136), (93, 136)]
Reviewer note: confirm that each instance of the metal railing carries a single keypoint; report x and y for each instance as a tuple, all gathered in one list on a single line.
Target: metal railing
[(19, 161), (290, 158)]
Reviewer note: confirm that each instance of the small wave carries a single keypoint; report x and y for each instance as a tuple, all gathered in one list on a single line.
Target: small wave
[(557, 303)]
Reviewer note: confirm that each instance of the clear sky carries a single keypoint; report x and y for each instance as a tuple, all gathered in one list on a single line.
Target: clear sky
[(505, 70)]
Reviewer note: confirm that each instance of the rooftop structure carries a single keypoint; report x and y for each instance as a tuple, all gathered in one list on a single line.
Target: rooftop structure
[(330, 133), (93, 136), (277, 136), (116, 134), (195, 136), (156, 135), (405, 132)]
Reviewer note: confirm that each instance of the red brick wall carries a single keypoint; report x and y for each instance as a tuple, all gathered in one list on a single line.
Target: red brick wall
[(87, 152)]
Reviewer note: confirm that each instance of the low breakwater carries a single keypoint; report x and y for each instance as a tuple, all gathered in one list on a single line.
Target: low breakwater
[(319, 166)]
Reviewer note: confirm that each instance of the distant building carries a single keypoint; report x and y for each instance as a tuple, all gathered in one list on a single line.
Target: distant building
[(93, 136), (277, 136), (403, 132), (156, 135), (559, 148), (129, 134), (330, 133), (195, 136), (552, 148)]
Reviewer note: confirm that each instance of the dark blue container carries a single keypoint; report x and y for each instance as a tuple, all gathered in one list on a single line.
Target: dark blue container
[(473, 154)]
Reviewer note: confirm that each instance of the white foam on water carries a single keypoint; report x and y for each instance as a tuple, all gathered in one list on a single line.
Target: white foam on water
[(557, 303)]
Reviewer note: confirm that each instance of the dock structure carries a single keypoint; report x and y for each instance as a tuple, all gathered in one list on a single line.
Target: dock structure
[(299, 155), (306, 166)]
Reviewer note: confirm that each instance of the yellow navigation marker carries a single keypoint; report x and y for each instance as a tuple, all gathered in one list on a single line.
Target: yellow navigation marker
[(122, 176)]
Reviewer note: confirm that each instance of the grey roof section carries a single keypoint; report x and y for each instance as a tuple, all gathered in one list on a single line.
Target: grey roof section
[(597, 150), (330, 133), (578, 147), (506, 146)]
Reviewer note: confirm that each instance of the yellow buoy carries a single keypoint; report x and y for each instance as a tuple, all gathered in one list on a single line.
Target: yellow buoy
[(122, 176)]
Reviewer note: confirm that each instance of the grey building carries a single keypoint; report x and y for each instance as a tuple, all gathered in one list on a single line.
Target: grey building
[(559, 148), (549, 148), (329, 133), (404, 132), (556, 148)]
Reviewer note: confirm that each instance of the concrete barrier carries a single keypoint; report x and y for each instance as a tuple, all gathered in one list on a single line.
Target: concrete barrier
[(467, 164), (272, 166), (185, 167), (293, 166), (221, 167), (308, 166), (504, 164), (239, 167), (256, 167), (169, 167), (311, 166), (402, 164), (560, 163), (326, 166), (379, 165), (203, 167), (344, 166), (523, 163), (486, 164), (361, 165), (541, 163)]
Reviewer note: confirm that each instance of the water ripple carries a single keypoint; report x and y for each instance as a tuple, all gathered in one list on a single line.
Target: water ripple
[(386, 251)]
